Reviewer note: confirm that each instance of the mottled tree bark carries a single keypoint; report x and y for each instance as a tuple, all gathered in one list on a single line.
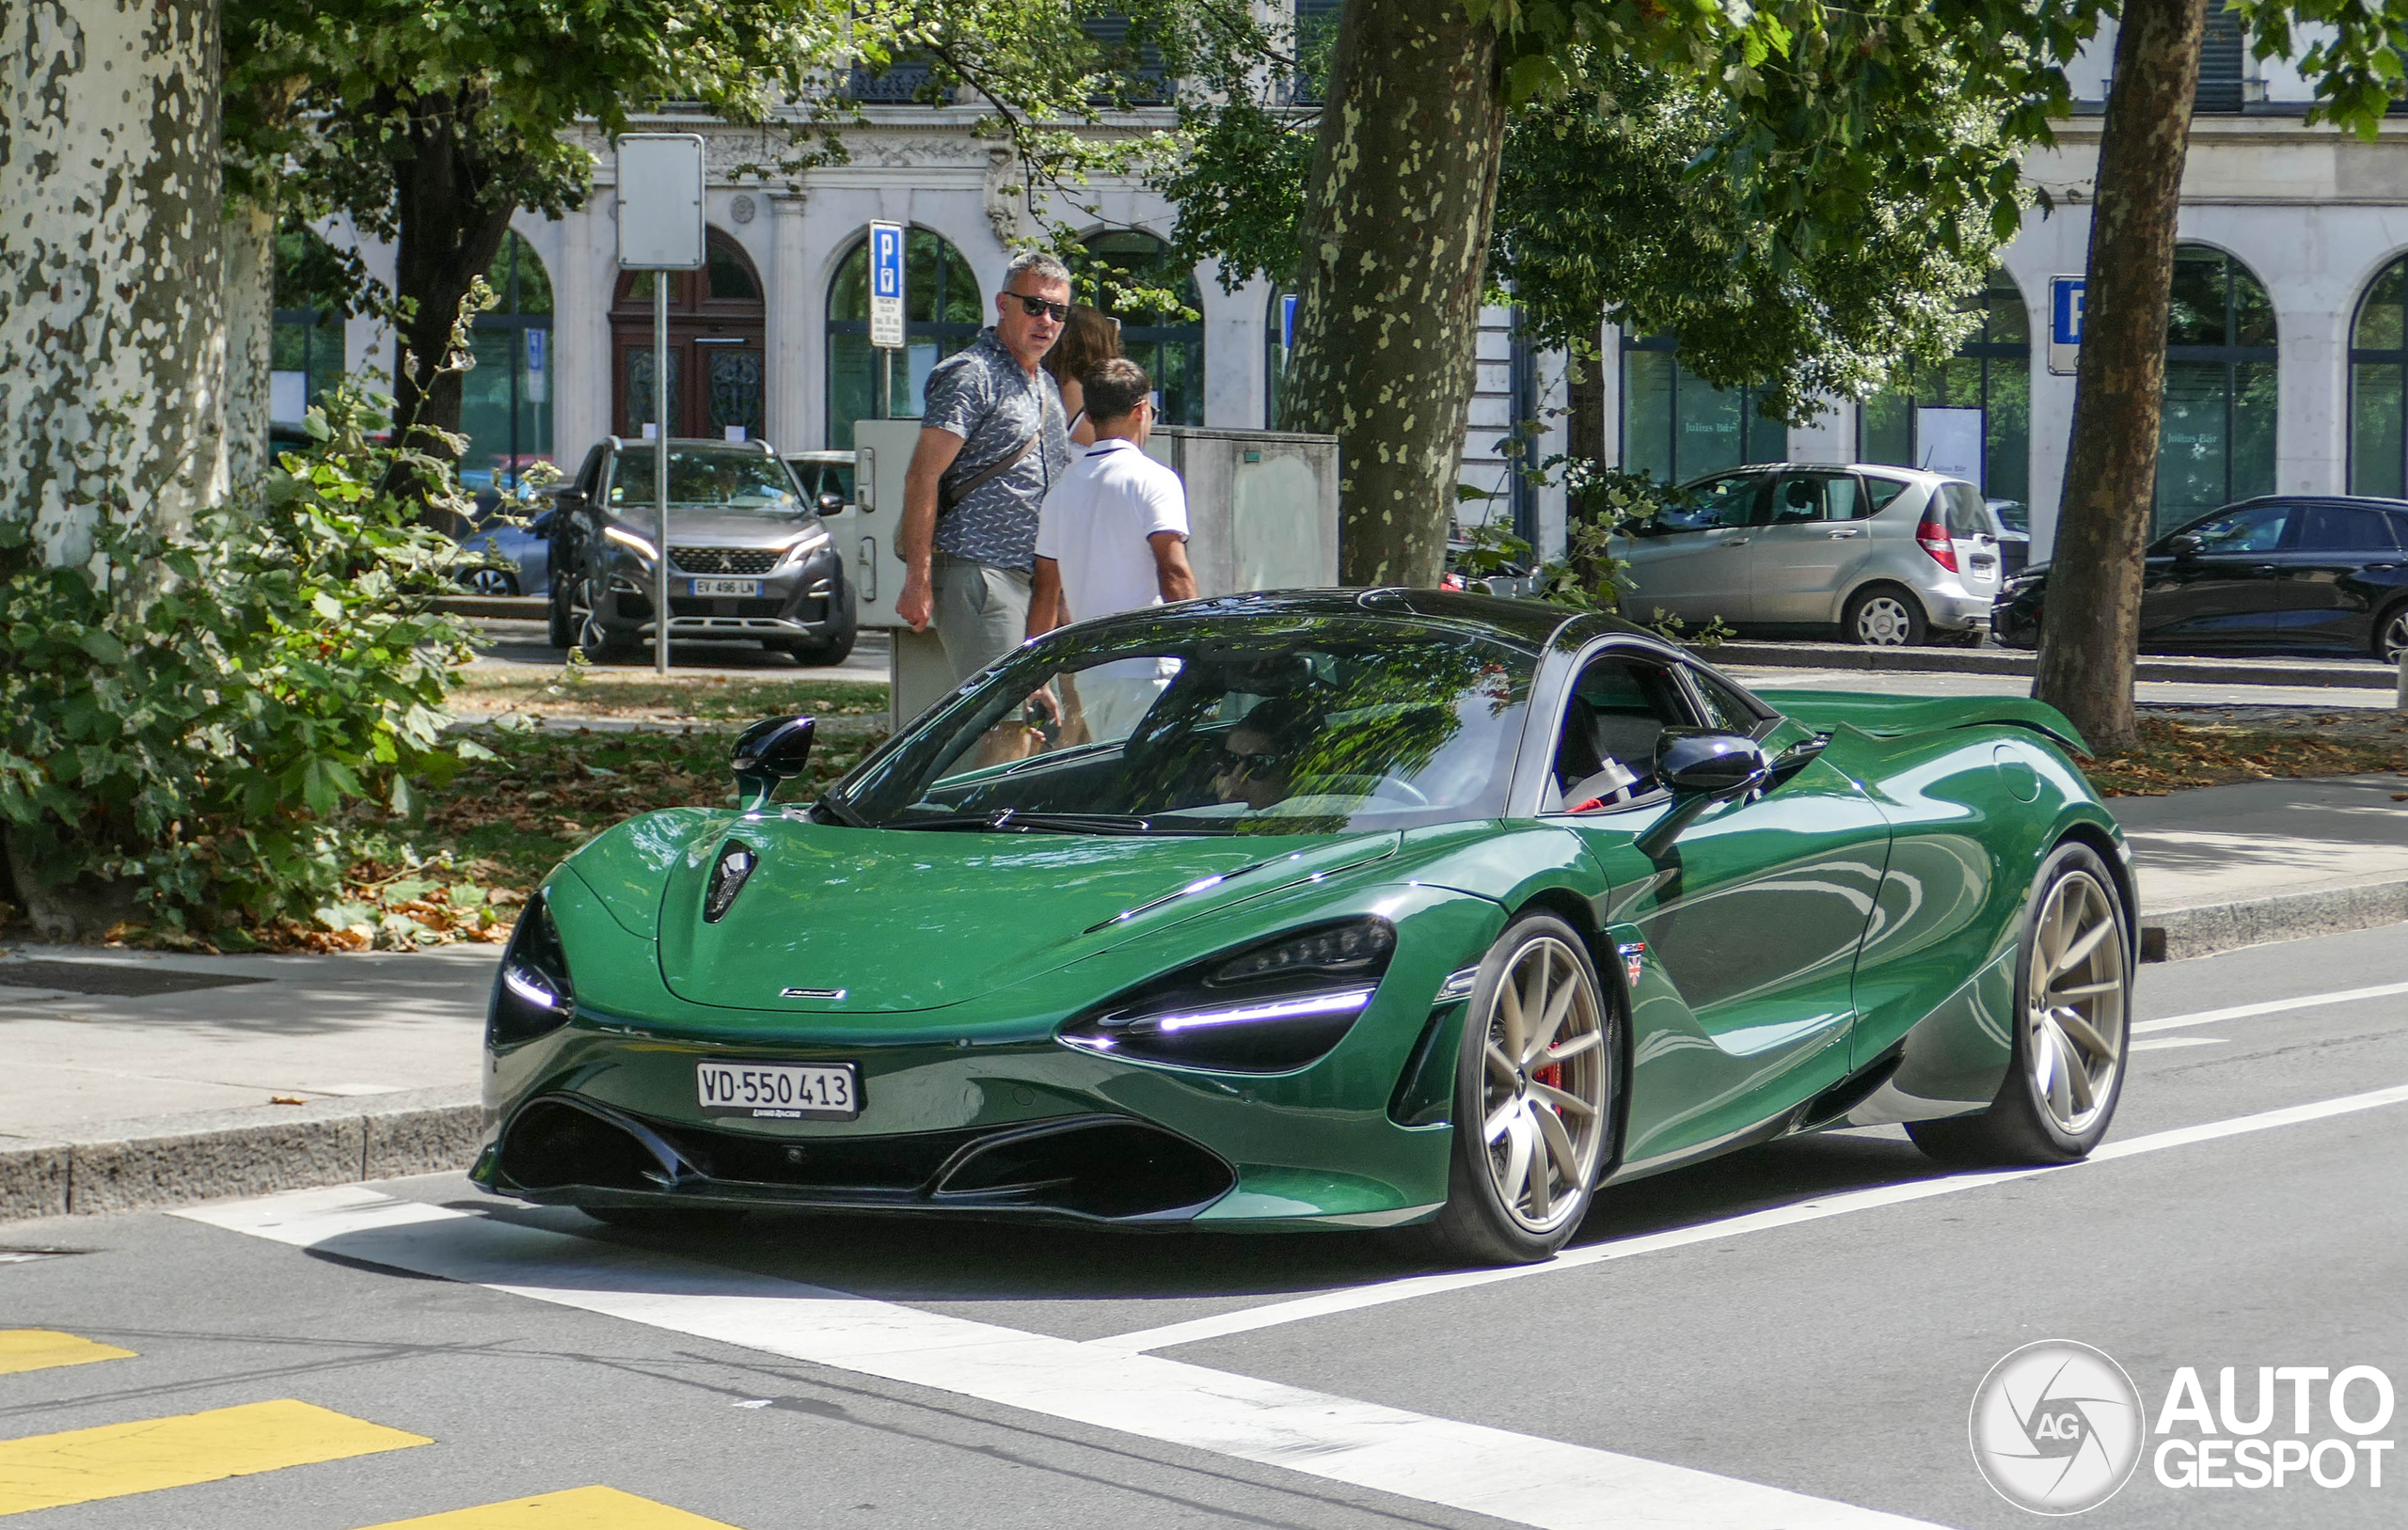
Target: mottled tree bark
[(1393, 243), (250, 329), (112, 326), (2090, 631), (450, 232)]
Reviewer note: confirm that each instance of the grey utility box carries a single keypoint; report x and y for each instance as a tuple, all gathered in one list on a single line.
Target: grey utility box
[(1261, 515)]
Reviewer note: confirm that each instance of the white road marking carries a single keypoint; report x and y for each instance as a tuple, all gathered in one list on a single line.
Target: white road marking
[(1517, 1477), (2272, 1006), (2168, 1043), (1248, 1319)]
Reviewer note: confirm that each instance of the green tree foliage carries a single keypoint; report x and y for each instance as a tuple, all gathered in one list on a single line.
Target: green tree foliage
[(184, 716)]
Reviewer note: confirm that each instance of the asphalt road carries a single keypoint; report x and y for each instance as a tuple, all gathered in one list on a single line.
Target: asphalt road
[(1812, 1318)]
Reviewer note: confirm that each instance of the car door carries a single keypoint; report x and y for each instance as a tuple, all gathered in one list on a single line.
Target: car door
[(2223, 588), (2325, 600), (1814, 536), (1741, 937), (1691, 563)]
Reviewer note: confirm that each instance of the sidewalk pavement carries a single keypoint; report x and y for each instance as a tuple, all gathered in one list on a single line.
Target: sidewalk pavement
[(137, 1079)]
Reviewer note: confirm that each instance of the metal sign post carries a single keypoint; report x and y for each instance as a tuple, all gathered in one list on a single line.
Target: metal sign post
[(886, 306), (660, 230)]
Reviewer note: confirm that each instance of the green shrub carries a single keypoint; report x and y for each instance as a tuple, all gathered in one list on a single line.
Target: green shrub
[(185, 718)]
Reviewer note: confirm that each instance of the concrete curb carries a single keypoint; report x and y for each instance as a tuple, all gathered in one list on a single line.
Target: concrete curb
[(170, 1160), (2349, 674), (496, 607), (2202, 930)]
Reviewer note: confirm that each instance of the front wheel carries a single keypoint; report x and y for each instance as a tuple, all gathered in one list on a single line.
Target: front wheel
[(2391, 633), (1535, 1081), (2074, 994), (1884, 616)]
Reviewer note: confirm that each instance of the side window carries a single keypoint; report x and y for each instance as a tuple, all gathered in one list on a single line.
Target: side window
[(1798, 497), (1605, 757), (2257, 530), (1726, 502), (1725, 708), (2346, 529), (1879, 490)]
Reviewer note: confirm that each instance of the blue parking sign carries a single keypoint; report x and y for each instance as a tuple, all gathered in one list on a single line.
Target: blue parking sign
[(886, 284), (2066, 295)]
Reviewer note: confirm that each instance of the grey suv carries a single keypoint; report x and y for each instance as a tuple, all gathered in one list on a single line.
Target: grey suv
[(749, 556), (1890, 556)]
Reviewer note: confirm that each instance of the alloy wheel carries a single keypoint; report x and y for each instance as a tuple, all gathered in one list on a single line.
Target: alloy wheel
[(1543, 1085), (2074, 1025), (2394, 635), (1883, 621)]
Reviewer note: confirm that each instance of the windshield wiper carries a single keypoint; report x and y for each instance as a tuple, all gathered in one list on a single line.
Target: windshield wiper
[(1013, 821)]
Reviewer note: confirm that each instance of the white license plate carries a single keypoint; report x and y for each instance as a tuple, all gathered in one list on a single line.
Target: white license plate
[(779, 1090), (727, 587)]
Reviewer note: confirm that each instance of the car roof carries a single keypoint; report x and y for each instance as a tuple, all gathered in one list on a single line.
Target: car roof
[(1887, 469)]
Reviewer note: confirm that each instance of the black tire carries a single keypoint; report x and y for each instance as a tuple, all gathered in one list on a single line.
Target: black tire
[(1885, 616), (2391, 632), (665, 1218), (835, 649), (1477, 1224), (2021, 1125)]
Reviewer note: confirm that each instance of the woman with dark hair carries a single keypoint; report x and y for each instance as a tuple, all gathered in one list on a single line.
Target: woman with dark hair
[(1088, 340)]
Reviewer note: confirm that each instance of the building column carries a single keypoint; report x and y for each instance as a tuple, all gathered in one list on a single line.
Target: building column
[(2311, 408), (581, 335), (794, 403)]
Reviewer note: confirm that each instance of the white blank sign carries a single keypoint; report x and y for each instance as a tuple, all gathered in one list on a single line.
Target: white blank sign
[(661, 201), (1950, 442)]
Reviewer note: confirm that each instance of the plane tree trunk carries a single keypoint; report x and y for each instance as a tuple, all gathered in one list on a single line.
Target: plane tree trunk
[(1393, 245), (112, 321), (2090, 631)]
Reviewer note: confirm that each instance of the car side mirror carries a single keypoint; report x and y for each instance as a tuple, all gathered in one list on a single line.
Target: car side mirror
[(1701, 769), (2185, 545), (769, 752), (830, 504)]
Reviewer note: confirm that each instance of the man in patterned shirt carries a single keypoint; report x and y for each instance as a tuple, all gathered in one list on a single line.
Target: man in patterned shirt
[(993, 440)]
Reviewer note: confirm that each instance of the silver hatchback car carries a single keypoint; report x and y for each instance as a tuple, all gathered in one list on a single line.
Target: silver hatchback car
[(1890, 556)]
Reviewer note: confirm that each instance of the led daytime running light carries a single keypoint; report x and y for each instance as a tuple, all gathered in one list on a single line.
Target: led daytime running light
[(1344, 1001), (635, 544), (533, 991)]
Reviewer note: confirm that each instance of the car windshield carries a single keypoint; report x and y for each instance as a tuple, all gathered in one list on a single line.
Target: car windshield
[(1267, 725), (707, 477)]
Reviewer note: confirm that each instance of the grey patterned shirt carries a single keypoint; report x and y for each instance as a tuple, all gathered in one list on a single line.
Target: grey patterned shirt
[(982, 395)]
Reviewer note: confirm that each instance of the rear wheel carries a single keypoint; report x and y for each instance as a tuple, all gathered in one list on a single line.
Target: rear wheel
[(1884, 616), (1535, 1092), (2391, 633), (2074, 994)]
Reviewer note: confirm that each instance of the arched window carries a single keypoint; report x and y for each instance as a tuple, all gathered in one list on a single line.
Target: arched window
[(1677, 425), (941, 315), (506, 399), (2215, 441), (2379, 385), (306, 344), (1113, 271), (716, 325), (1988, 377)]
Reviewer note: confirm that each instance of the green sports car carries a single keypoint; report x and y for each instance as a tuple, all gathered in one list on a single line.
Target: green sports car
[(1334, 909)]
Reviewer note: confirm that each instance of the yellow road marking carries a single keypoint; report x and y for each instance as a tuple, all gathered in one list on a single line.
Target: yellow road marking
[(45, 1470), (39, 1350), (579, 1508)]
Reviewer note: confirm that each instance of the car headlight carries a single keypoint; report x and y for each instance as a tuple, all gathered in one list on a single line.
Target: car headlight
[(640, 546), (1269, 1008), (806, 547), (532, 995)]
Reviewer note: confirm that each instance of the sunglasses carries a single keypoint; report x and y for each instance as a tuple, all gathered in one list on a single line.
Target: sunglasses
[(1252, 765), (1058, 313)]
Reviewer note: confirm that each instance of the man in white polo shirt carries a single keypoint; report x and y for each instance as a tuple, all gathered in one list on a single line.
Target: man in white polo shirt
[(1111, 537)]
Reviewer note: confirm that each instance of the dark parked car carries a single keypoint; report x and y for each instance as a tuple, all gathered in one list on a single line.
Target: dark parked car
[(2014, 534), (749, 556), (2272, 573)]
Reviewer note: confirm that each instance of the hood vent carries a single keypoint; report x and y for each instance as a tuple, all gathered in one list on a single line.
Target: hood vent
[(728, 873)]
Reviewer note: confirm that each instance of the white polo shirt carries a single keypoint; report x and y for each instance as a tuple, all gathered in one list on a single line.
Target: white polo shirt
[(1094, 524)]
